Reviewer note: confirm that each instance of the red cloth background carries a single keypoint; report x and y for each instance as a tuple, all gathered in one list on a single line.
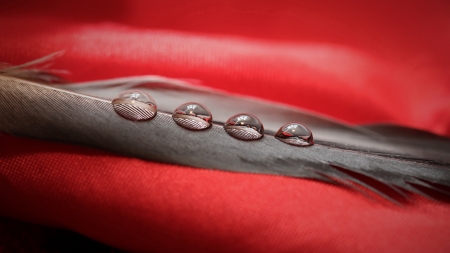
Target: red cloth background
[(357, 62)]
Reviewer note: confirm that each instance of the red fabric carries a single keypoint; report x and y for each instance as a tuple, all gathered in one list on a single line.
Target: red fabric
[(358, 62)]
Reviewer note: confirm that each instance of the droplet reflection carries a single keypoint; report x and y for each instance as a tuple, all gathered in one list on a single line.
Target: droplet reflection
[(192, 116), (135, 105), (295, 134), (244, 127)]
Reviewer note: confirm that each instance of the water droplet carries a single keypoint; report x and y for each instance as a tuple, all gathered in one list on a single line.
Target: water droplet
[(295, 134), (244, 127), (193, 116), (135, 105)]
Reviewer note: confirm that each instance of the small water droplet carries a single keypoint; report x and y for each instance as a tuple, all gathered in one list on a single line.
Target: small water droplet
[(192, 116), (135, 105), (244, 127), (295, 134)]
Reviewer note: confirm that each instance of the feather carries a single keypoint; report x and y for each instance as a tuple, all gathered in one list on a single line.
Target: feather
[(37, 70), (389, 160)]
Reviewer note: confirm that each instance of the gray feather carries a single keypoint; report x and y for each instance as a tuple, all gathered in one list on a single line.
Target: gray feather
[(386, 159)]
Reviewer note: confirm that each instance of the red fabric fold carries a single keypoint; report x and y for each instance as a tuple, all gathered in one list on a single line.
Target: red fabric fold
[(144, 206), (357, 62)]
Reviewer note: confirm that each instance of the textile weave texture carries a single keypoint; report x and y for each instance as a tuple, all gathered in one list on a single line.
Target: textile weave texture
[(361, 62)]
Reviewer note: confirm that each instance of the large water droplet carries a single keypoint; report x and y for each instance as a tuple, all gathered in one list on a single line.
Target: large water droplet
[(244, 127), (135, 105), (193, 116), (295, 134)]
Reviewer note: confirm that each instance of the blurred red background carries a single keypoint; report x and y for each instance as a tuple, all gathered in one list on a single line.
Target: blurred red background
[(356, 61), (361, 62)]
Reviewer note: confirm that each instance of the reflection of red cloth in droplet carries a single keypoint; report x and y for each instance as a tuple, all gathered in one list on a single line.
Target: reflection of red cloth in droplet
[(287, 134), (359, 62)]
